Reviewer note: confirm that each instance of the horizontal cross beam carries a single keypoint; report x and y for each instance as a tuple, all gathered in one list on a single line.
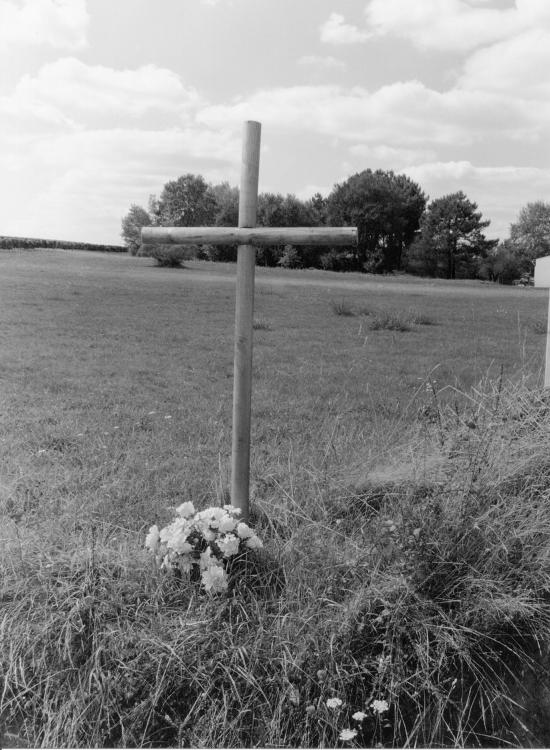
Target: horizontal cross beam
[(258, 236)]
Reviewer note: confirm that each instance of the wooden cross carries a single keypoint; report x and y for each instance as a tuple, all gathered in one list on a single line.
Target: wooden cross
[(247, 236), (542, 279)]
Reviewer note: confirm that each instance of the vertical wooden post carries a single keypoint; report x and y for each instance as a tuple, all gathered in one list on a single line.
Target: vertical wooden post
[(244, 313), (547, 362)]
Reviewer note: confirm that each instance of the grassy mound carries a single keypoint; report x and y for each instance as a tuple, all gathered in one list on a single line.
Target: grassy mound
[(429, 590)]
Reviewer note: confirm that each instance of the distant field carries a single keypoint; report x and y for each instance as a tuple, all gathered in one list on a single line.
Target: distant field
[(117, 375), (36, 243), (400, 491)]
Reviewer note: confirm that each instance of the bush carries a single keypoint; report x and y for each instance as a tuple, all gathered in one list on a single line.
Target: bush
[(290, 258), (168, 256)]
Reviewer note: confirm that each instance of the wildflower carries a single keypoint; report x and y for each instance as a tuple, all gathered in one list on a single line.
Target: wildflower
[(152, 539), (185, 564), (186, 510), (254, 542), (244, 531), (214, 579), (171, 533), (206, 559), (321, 674), (334, 703), (359, 716), (348, 734), (181, 545), (231, 509), (226, 523), (379, 706), (310, 710), (228, 544)]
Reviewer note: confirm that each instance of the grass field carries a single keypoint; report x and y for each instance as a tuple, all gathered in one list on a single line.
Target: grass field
[(116, 391)]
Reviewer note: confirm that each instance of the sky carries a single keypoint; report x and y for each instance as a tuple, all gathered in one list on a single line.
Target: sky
[(103, 101)]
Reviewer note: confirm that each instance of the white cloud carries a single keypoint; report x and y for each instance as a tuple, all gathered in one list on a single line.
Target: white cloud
[(320, 61), (517, 66), (68, 92), (90, 178), (389, 157), (453, 25), (56, 23), (500, 192), (336, 31), (401, 115)]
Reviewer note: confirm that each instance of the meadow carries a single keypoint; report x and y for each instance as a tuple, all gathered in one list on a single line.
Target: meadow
[(399, 476)]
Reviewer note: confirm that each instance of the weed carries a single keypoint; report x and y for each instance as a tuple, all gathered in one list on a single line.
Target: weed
[(342, 307), (390, 322), (417, 317), (409, 606), (261, 325), (539, 326)]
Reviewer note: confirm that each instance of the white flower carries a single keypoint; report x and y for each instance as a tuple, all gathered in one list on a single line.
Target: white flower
[(232, 510), (185, 564), (214, 579), (347, 734), (206, 559), (210, 513), (186, 510), (153, 538), (359, 716), (244, 530), (379, 706), (180, 545), (226, 523), (254, 542), (228, 544), (171, 532), (208, 535), (334, 703)]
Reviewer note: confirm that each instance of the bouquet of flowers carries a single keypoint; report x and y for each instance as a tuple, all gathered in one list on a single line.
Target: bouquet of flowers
[(202, 541)]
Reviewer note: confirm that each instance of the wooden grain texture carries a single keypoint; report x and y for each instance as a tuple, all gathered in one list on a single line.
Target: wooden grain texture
[(258, 236), (244, 315), (547, 357)]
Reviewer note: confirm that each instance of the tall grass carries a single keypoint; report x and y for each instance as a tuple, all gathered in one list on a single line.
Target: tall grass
[(429, 588)]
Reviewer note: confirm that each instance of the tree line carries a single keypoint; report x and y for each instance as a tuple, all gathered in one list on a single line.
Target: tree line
[(398, 228)]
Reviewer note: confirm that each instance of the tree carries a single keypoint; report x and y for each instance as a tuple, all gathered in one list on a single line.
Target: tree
[(504, 265), (227, 205), (226, 215), (136, 218), (386, 208), (530, 235), (317, 208), (451, 242), (186, 202), (277, 210)]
